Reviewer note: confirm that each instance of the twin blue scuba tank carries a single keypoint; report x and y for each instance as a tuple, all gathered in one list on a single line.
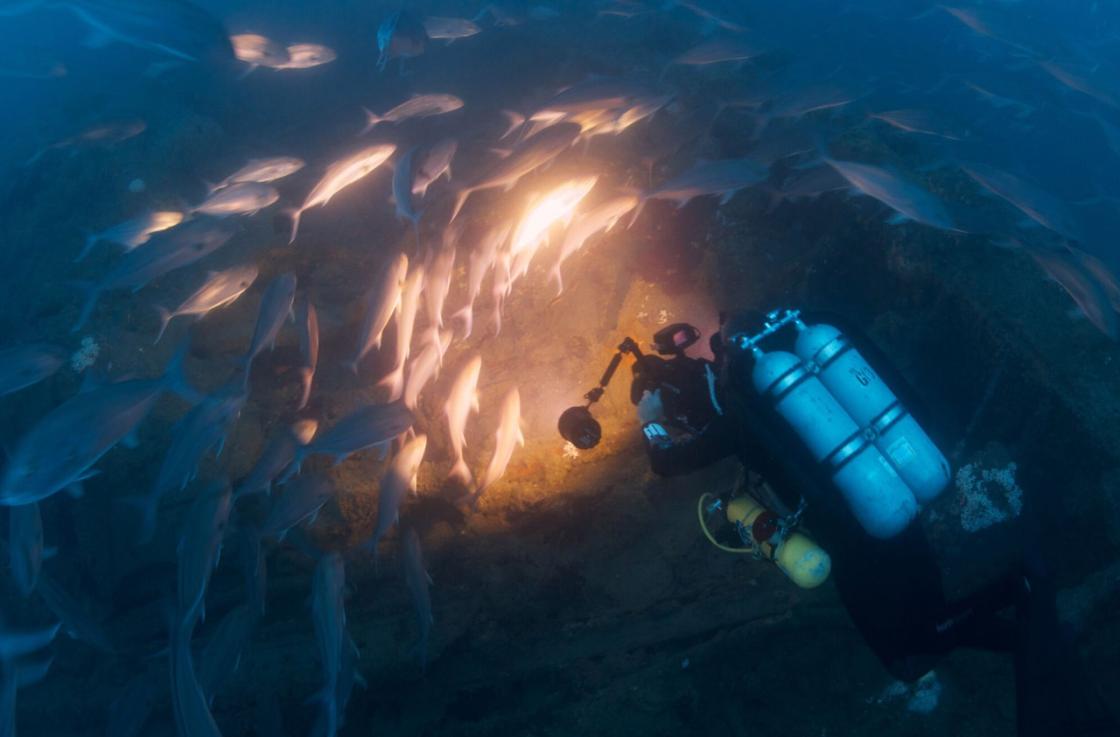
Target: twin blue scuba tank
[(874, 451)]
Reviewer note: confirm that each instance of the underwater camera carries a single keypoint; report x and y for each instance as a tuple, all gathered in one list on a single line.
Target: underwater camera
[(681, 380)]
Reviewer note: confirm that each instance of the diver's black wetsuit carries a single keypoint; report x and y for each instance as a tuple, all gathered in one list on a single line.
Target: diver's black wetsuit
[(891, 588)]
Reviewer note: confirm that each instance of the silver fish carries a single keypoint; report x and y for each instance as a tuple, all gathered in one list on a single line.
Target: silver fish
[(339, 176), (529, 156), (1038, 205), (166, 252), (101, 135), (298, 501), (188, 702), (718, 51), (200, 549), (381, 302), (24, 365), (395, 484), (204, 427), (307, 320), (221, 655), (1083, 287), (347, 678), (276, 307), (175, 27), (425, 366), (920, 121), (437, 284), (374, 425), (723, 178), (406, 322), (25, 546), (418, 106), (307, 56), (257, 50), (59, 452), (908, 200), (435, 162), (400, 36), (17, 643), (402, 193), (220, 289), (417, 578), (462, 401), (601, 218), (243, 198), (14, 676), (277, 456), (135, 232), (261, 171), (328, 611), (450, 29), (509, 436), (481, 262)]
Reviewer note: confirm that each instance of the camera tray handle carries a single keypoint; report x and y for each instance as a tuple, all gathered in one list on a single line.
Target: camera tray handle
[(628, 345)]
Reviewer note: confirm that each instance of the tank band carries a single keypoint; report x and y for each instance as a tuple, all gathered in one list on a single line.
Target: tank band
[(785, 383), (890, 416), (846, 451), (831, 350)]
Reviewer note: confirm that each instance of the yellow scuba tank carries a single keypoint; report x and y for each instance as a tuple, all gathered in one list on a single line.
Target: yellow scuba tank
[(801, 559)]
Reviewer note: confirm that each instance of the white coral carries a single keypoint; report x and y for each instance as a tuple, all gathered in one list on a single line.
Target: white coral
[(86, 355)]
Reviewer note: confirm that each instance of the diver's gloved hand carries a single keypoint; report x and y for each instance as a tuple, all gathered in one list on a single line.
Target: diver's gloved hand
[(650, 408)]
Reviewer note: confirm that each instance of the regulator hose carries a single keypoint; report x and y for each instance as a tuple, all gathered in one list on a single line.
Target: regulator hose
[(707, 533)]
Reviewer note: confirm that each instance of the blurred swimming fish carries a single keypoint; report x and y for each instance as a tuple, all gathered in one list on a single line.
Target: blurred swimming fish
[(188, 702), (1082, 286), (417, 578), (701, 10), (328, 612), (402, 192), (307, 321), (406, 323), (99, 135), (243, 198), (200, 549), (133, 233), (1075, 81), (373, 425), (166, 252), (204, 427), (922, 122), (73, 615), (481, 262), (130, 711), (509, 436), (17, 643), (382, 301), (718, 51), (308, 56), (397, 481), (437, 284), (556, 206), (527, 157), (434, 163), (60, 450), (276, 307), (1038, 205), (601, 218), (449, 29), (400, 36), (261, 170), (425, 366), (24, 365), (276, 457), (908, 200), (25, 546), (347, 678), (221, 655), (723, 178), (418, 106), (341, 175), (257, 50), (175, 27), (298, 501), (462, 401), (220, 289)]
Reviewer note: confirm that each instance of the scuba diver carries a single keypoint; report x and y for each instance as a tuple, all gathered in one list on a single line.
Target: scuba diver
[(853, 478)]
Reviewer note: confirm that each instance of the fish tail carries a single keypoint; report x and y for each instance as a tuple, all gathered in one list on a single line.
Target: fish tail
[(164, 320), (93, 293), (352, 366), (556, 276), (461, 471), (372, 120), (467, 316), (394, 382), (91, 241), (460, 200), (295, 216), (638, 210)]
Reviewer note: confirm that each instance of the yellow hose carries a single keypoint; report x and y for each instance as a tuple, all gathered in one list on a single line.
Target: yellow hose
[(707, 534)]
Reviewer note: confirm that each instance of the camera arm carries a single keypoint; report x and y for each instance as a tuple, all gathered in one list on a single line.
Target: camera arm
[(628, 345)]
